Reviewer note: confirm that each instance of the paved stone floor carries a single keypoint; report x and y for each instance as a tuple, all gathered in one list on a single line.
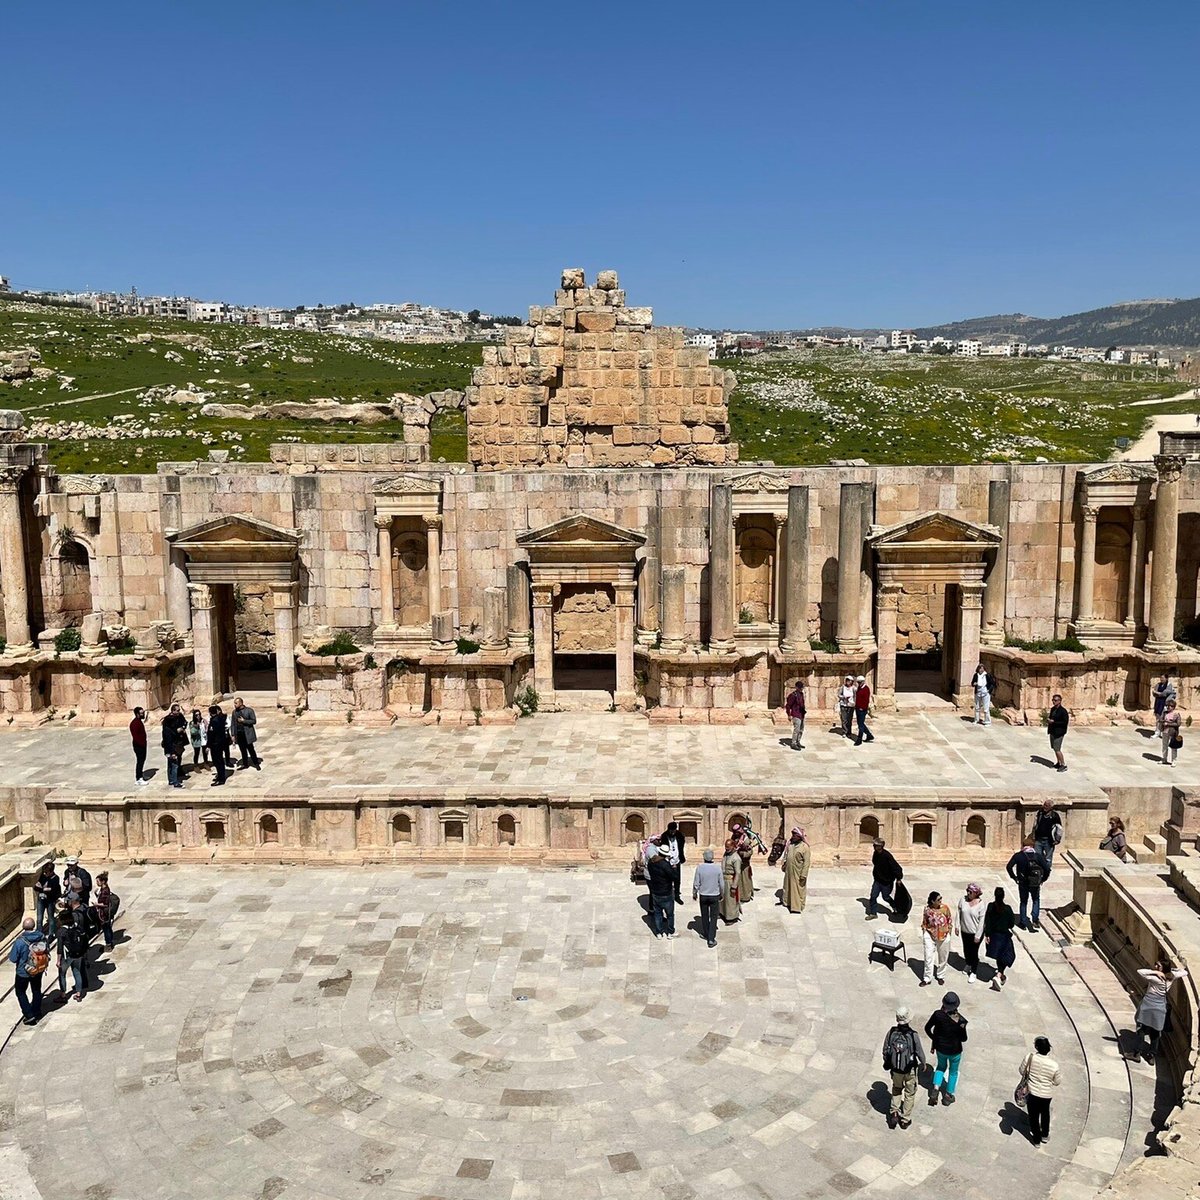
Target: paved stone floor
[(506, 1033), (915, 750)]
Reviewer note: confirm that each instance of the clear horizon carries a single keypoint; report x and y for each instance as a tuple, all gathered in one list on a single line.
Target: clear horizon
[(795, 167)]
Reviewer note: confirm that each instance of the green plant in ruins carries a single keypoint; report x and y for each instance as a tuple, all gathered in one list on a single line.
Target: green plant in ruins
[(526, 701)]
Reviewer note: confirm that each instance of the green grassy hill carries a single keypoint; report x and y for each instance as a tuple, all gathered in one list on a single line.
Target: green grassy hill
[(85, 358), (813, 405), (793, 408)]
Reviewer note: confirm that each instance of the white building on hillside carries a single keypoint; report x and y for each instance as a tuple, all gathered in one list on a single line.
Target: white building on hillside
[(968, 348)]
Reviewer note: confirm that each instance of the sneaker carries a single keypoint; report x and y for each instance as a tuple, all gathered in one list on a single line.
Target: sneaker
[(893, 1120), (904, 1124), (970, 976), (141, 782), (947, 1098), (996, 984), (933, 1097), (1036, 1141), (924, 983), (939, 981), (712, 944), (1035, 927), (670, 935)]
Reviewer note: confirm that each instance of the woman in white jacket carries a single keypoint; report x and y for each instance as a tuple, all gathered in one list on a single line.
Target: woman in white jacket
[(970, 924), (1040, 1075)]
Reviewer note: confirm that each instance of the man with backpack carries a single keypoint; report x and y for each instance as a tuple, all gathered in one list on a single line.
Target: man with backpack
[(904, 1057), (31, 957), (1047, 831), (74, 936), (1028, 869)]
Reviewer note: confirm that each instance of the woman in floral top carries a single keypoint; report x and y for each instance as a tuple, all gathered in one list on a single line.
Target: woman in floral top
[(937, 924)]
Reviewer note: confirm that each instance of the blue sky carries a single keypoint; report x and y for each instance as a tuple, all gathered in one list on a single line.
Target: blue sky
[(771, 165)]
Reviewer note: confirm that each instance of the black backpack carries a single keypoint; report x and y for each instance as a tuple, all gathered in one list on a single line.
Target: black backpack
[(75, 941), (899, 1054), (1035, 876)]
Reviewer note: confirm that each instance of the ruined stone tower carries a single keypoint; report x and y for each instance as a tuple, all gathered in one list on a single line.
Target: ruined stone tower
[(589, 383)]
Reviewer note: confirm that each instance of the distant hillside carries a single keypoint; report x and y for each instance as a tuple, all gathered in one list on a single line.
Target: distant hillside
[(1134, 323)]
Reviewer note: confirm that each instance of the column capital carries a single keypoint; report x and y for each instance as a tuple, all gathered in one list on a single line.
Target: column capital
[(1169, 467), (200, 595), (780, 520), (888, 597), (10, 478), (970, 595), (433, 521), (1090, 513), (382, 522), (544, 593), (285, 589)]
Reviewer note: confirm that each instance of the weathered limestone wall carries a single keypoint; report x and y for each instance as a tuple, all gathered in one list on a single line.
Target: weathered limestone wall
[(589, 382)]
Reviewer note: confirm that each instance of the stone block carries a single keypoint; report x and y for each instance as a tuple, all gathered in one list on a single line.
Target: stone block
[(635, 316), (596, 322), (573, 278), (606, 281)]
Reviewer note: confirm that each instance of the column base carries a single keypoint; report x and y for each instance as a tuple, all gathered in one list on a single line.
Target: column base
[(625, 701), (723, 646), (671, 645), (992, 637), (1155, 646), (647, 639), (522, 642), (19, 650), (855, 645), (884, 701)]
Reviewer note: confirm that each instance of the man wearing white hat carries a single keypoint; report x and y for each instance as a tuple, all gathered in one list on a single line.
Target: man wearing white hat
[(77, 881)]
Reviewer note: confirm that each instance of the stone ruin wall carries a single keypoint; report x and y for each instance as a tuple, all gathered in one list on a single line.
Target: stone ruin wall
[(589, 382)]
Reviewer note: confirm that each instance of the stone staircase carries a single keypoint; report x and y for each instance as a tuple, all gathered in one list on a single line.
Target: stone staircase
[(11, 838)]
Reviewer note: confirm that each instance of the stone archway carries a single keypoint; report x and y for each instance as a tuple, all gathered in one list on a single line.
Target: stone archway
[(219, 554), (932, 548)]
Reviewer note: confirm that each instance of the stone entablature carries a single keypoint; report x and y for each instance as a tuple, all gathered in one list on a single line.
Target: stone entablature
[(589, 382)]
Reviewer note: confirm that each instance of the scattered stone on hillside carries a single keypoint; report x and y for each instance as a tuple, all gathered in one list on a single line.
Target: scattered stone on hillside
[(18, 364), (173, 356), (12, 425)]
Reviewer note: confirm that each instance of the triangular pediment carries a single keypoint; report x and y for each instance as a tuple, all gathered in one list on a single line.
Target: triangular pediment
[(239, 528), (1119, 472), (759, 481), (581, 530), (934, 527), (409, 485)]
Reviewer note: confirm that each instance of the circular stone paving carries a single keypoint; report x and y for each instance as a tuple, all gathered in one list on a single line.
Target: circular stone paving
[(460, 1032)]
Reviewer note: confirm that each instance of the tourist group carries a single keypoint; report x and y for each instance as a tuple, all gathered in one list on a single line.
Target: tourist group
[(210, 738), (68, 916)]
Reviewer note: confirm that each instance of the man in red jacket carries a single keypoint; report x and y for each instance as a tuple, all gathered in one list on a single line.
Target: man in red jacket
[(862, 702), (794, 707), (137, 731)]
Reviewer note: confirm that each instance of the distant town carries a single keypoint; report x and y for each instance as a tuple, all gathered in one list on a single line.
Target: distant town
[(410, 321)]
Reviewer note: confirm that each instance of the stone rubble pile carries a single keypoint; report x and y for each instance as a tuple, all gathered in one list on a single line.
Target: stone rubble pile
[(589, 383)]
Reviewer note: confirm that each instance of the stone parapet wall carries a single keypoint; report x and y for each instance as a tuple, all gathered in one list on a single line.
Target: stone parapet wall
[(1133, 919), (589, 382), (349, 457), (945, 826)]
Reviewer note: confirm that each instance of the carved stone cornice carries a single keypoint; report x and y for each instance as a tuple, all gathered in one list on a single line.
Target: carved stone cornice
[(10, 478)]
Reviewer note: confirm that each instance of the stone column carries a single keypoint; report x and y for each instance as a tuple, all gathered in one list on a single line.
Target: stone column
[(543, 640), (970, 613), (1135, 604), (778, 568), (519, 636), (283, 597), (495, 617), (866, 594), (648, 601), (849, 632), (203, 648), (1087, 565), (179, 611), (387, 599), (433, 538), (995, 596), (795, 604), (887, 601), (13, 575), (673, 608), (625, 697), (720, 569), (1164, 580)]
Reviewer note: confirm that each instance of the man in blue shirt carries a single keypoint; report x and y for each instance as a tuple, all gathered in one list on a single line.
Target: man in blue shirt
[(28, 986)]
